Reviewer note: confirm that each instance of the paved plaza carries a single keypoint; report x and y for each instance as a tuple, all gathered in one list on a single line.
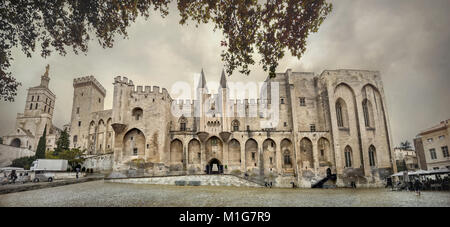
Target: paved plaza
[(99, 193)]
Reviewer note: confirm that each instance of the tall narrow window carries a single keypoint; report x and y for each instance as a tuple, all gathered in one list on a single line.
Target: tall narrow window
[(287, 159), (366, 113), (135, 151), (445, 151), (282, 101), (348, 156), (183, 122), (45, 108), (32, 98), (340, 121), (312, 127), (433, 153), (372, 155), (31, 106), (35, 107), (78, 110)]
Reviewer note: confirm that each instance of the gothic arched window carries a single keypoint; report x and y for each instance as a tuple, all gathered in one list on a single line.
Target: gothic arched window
[(340, 121), (183, 122), (367, 110), (348, 156), (137, 113), (287, 157), (341, 113), (235, 125), (372, 156)]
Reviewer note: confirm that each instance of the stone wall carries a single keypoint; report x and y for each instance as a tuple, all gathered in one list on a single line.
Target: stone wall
[(204, 180), (99, 163), (9, 153)]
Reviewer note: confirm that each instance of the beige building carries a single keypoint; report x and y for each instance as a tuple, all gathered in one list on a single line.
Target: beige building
[(333, 122), (432, 145), (406, 159), (38, 114)]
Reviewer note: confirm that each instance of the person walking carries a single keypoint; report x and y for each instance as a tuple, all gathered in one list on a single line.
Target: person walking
[(13, 176), (77, 169), (417, 185)]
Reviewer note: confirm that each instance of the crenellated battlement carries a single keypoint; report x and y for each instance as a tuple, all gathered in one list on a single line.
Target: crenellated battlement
[(80, 81), (123, 80), (148, 90)]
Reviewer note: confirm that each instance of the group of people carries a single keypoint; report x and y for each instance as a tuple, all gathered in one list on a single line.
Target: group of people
[(12, 177), (425, 183), (443, 182)]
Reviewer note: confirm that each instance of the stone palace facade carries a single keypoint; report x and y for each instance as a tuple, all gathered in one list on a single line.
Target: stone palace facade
[(335, 122)]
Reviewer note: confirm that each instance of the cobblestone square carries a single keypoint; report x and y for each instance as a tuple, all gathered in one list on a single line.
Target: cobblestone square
[(99, 193)]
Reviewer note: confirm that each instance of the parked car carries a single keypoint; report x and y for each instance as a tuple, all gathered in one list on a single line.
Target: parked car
[(43, 176)]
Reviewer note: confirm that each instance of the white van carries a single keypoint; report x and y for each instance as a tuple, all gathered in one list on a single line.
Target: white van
[(46, 169)]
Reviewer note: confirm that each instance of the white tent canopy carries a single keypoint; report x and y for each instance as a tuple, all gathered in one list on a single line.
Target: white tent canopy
[(422, 172)]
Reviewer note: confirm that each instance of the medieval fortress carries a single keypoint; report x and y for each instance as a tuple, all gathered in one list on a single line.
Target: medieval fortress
[(305, 127)]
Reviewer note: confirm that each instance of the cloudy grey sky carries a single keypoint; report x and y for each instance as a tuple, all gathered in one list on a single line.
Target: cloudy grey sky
[(408, 41)]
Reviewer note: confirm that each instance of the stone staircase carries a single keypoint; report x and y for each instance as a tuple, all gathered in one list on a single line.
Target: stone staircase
[(203, 180), (327, 182)]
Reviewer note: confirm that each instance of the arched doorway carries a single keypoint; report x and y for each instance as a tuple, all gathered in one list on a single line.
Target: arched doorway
[(306, 153), (176, 152), (214, 166), (234, 152), (15, 142), (134, 143), (251, 154), (194, 152), (269, 155), (287, 153), (323, 146)]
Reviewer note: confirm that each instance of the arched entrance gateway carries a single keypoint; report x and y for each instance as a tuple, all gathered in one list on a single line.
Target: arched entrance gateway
[(214, 166), (16, 142)]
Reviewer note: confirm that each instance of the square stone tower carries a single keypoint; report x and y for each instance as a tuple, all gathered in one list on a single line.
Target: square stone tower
[(88, 97)]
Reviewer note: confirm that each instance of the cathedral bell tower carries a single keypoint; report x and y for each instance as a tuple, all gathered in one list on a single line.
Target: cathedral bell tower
[(45, 79)]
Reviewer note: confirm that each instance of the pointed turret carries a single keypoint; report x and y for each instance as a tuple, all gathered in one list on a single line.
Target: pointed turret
[(202, 81), (223, 80)]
